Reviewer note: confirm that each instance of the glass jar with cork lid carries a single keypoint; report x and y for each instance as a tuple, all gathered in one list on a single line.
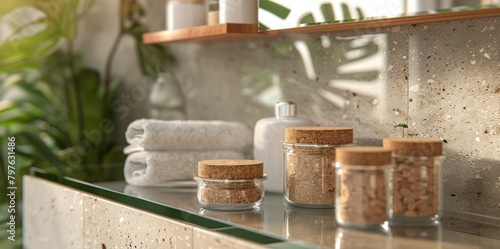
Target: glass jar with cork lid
[(363, 187), (417, 180), (229, 184), (309, 163)]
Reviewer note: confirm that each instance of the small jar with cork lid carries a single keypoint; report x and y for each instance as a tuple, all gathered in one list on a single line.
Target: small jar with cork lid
[(230, 184), (363, 187), (309, 163), (417, 180)]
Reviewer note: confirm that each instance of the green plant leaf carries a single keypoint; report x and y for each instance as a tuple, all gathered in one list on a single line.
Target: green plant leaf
[(274, 8), (40, 148), (327, 10), (360, 13), (24, 52), (262, 26), (64, 15), (402, 125), (89, 84), (346, 12), (308, 18), (10, 5)]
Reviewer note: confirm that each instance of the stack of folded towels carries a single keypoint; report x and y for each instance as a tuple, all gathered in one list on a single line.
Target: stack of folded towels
[(161, 153)]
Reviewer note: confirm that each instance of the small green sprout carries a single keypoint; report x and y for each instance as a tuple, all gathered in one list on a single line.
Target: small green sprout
[(403, 127)]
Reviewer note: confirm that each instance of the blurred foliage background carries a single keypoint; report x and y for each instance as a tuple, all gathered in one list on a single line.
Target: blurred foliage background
[(57, 109)]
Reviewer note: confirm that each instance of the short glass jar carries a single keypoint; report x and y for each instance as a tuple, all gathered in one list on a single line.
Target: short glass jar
[(363, 188), (309, 163), (417, 180), (230, 184)]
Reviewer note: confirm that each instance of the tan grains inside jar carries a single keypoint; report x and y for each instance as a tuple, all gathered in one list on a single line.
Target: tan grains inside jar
[(230, 193), (310, 163), (362, 197), (416, 176), (230, 181), (311, 175), (415, 189), (364, 180)]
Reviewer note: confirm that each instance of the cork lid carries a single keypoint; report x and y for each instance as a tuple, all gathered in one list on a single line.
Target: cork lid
[(319, 135), (363, 155), (414, 146), (230, 169)]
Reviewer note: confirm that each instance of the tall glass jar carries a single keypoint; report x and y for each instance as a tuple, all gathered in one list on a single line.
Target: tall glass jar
[(417, 180), (309, 162), (363, 187)]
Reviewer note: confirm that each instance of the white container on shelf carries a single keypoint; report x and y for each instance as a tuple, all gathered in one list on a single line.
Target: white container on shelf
[(185, 14), (238, 11), (268, 135)]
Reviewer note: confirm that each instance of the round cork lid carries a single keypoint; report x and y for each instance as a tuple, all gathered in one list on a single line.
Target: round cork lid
[(414, 146), (363, 155), (230, 169), (319, 135)]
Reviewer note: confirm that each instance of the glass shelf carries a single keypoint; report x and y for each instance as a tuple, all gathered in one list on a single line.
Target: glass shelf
[(276, 225)]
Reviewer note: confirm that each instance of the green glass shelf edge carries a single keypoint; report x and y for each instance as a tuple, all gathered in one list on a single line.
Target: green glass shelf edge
[(170, 212)]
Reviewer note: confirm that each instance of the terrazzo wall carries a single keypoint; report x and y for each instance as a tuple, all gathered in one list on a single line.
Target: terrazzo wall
[(442, 79)]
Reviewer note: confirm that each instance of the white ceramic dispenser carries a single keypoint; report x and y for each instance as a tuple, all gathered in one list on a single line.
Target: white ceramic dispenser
[(268, 135)]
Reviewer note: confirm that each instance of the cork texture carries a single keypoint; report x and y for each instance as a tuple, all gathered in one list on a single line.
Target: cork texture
[(230, 169), (363, 155), (414, 146), (319, 135)]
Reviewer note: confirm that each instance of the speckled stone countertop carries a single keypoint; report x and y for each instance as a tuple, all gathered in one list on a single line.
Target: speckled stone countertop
[(317, 227)]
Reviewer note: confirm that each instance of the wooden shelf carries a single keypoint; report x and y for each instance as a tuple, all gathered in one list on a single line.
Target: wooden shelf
[(232, 31), (218, 32), (395, 21)]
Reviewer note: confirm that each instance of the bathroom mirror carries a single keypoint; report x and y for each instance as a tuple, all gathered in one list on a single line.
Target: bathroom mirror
[(282, 14)]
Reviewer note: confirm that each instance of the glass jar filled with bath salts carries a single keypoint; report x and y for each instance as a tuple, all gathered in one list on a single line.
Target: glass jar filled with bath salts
[(309, 163), (417, 180), (363, 187), (230, 184)]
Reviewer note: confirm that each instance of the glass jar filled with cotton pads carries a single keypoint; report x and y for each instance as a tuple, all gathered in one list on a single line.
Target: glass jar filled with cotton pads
[(230, 184), (417, 180), (309, 162)]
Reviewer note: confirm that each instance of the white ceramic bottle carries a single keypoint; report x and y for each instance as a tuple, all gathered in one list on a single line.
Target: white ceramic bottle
[(268, 135)]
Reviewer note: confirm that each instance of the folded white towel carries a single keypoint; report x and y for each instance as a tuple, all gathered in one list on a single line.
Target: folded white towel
[(159, 168), (153, 134)]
